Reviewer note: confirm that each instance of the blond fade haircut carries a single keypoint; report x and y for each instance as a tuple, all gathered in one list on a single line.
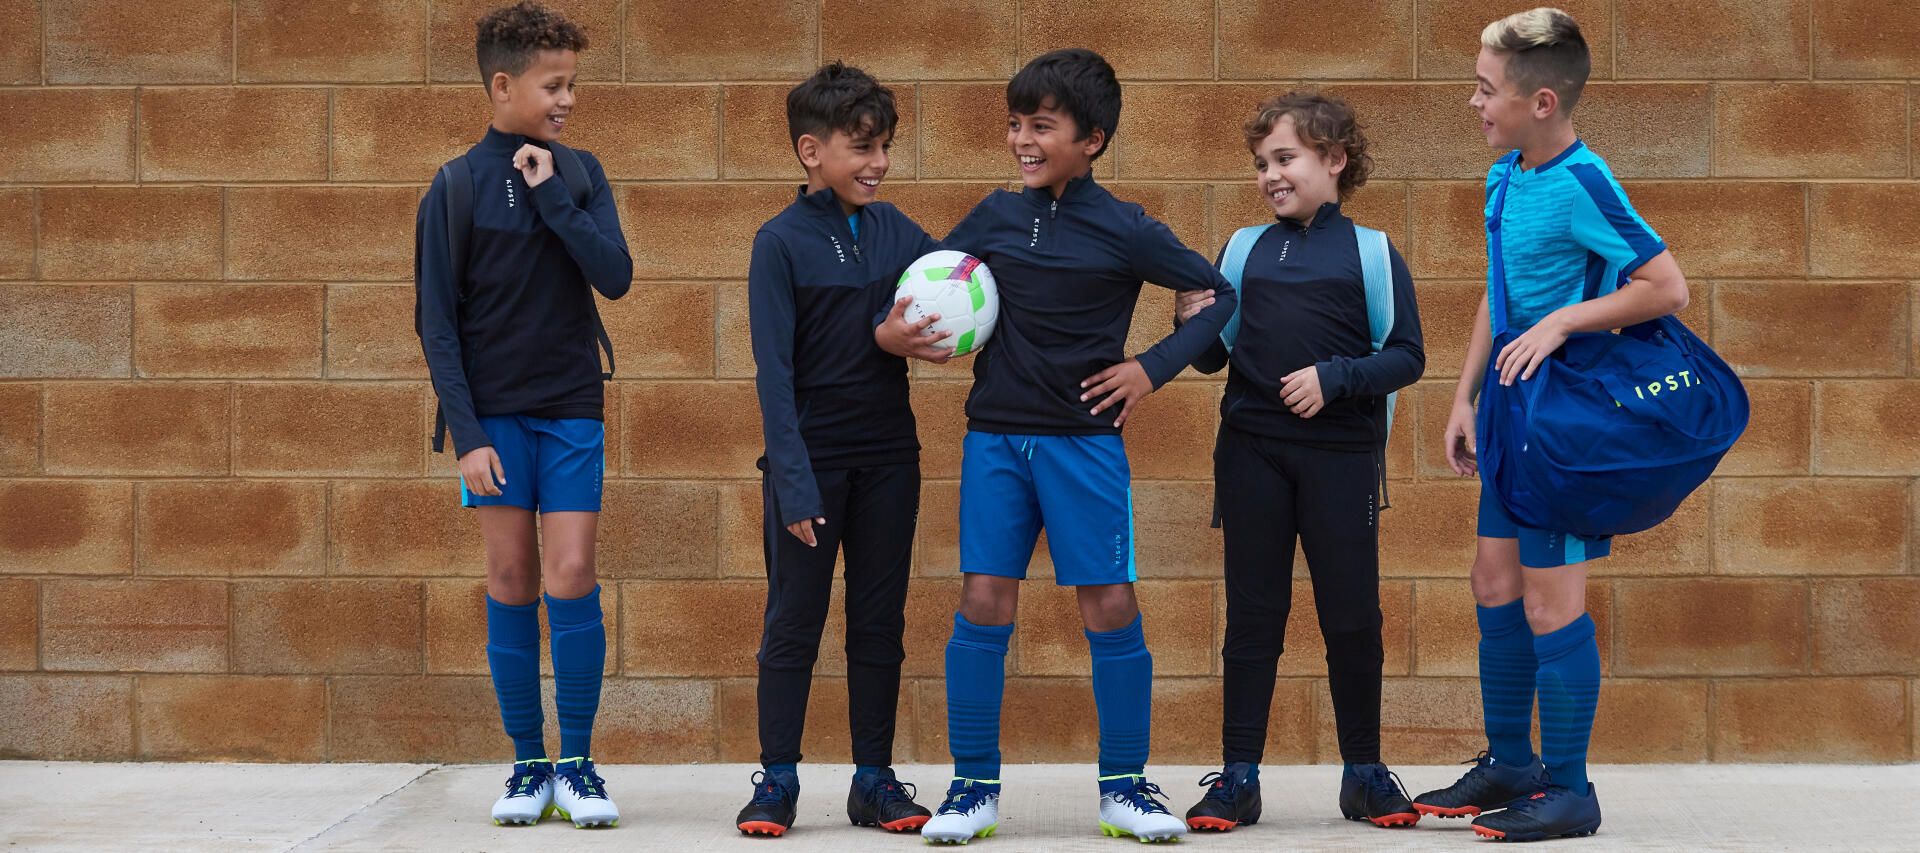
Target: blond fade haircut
[(1544, 50)]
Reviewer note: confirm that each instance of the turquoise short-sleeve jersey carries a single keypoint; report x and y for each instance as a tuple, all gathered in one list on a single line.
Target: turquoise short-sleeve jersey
[(1565, 233)]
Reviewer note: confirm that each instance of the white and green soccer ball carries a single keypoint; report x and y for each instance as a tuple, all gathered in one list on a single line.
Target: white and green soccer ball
[(959, 288)]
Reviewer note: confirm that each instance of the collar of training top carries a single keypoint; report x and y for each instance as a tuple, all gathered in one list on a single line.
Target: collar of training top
[(1326, 213), (1073, 192), (823, 201), (507, 143)]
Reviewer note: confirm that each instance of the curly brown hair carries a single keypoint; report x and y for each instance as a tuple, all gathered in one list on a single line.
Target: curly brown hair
[(1325, 122), (511, 36)]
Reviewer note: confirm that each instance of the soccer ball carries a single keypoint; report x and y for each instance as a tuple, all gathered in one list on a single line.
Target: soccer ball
[(959, 288)]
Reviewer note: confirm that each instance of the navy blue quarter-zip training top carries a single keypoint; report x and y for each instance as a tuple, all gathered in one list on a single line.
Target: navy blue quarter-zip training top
[(518, 336), (829, 396), (1303, 302), (1069, 272)]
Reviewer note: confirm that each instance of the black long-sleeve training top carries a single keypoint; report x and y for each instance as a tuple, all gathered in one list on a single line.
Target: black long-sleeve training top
[(829, 396), (1069, 272), (1303, 302), (518, 336)]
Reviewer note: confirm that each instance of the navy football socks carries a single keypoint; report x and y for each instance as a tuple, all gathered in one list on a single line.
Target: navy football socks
[(1123, 696), (513, 656), (579, 662), (1569, 685), (976, 684), (1507, 668)]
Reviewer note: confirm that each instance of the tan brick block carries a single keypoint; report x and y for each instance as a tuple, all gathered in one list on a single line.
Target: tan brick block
[(66, 527), (1866, 626), (65, 331), (231, 134), (671, 228), (1712, 627), (733, 332), (1771, 35), (191, 42), (1446, 634), (1151, 40), (1403, 436), (231, 528), (67, 134), (825, 738), (280, 233), (1864, 38), (122, 233), (1429, 530), (1793, 719), (937, 208), (20, 58), (1449, 232), (931, 602), (725, 40), (1368, 39), (1447, 313), (402, 527), (1866, 427), (1649, 130), (649, 132), (80, 717), (1170, 434), (369, 333), (691, 429), (1660, 720), (1727, 229), (19, 623), (1306, 649), (328, 429), (232, 718), (456, 628), (1434, 403), (241, 331), (937, 532), (451, 26), (1171, 533), (676, 628), (1423, 720), (1759, 129), (17, 235), (137, 428), (656, 722), (346, 627), (1779, 438), (337, 41), (1448, 34), (939, 410), (404, 133), (1863, 229), (963, 132), (415, 718), (1810, 526), (1183, 130), (1186, 720), (134, 625), (906, 40), (1420, 131), (1681, 545), (742, 549), (755, 142), (663, 330), (659, 530), (1798, 320)]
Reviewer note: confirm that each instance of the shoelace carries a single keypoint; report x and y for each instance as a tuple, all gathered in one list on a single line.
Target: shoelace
[(1385, 783), (1220, 786), (525, 784), (965, 800), (584, 782), (768, 791), (1141, 797), (890, 790)]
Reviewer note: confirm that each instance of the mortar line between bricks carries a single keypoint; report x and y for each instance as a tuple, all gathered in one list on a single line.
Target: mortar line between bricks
[(1127, 82), (233, 41), (432, 768), (996, 182)]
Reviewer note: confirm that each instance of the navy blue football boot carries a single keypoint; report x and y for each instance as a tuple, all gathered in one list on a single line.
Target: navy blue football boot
[(879, 799), (1371, 792), (1232, 799), (1553, 812), (770, 812), (1485, 787)]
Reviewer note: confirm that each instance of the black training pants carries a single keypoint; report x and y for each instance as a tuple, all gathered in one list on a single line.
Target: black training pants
[(870, 513), (1267, 492)]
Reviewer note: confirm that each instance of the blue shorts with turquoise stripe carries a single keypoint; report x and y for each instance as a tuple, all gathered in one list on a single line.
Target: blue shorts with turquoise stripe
[(1539, 549), (1078, 487), (551, 464)]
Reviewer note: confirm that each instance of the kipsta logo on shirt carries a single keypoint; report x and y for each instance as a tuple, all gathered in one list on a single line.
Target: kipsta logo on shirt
[(836, 248), (509, 192)]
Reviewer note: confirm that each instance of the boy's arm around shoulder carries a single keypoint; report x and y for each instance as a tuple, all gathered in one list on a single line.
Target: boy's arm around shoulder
[(1187, 303), (771, 321), (1402, 357), (437, 298), (1160, 258), (592, 236)]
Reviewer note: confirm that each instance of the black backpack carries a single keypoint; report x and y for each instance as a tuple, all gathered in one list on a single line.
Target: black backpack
[(459, 183)]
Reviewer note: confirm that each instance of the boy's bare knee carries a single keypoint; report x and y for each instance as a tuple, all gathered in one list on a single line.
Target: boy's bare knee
[(1107, 607), (986, 600), (513, 582)]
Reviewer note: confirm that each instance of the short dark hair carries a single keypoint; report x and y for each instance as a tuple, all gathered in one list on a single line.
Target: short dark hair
[(1544, 50), (1080, 83), (843, 98), (511, 36), (1325, 122)]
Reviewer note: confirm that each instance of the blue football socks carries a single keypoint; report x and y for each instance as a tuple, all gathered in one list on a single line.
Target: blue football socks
[(1123, 696), (579, 662), (1569, 685), (1507, 668), (976, 684), (513, 656)]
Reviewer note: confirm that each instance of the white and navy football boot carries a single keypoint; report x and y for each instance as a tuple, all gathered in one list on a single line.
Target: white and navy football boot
[(529, 795), (580, 795)]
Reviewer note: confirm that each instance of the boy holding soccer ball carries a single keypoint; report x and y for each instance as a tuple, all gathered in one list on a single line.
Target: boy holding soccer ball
[(842, 463), (1043, 449)]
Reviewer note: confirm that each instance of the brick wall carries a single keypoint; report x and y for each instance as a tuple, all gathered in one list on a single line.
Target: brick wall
[(223, 536)]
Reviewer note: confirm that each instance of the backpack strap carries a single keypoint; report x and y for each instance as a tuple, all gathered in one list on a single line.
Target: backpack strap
[(1233, 265), (458, 180), (566, 161), (1376, 271)]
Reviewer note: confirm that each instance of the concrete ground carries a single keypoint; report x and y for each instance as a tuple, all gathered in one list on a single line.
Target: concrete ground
[(424, 807)]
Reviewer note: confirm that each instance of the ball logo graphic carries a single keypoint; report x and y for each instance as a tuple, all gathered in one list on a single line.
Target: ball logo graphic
[(958, 287)]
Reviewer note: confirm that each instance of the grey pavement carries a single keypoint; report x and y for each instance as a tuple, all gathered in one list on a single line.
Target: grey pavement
[(407, 807)]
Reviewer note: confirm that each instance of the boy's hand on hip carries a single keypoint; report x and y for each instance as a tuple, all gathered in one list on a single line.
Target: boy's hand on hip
[(535, 164), (1187, 303), (1459, 440), (1521, 357), (910, 340), (803, 530), (479, 471), (1123, 384), (1301, 391)]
